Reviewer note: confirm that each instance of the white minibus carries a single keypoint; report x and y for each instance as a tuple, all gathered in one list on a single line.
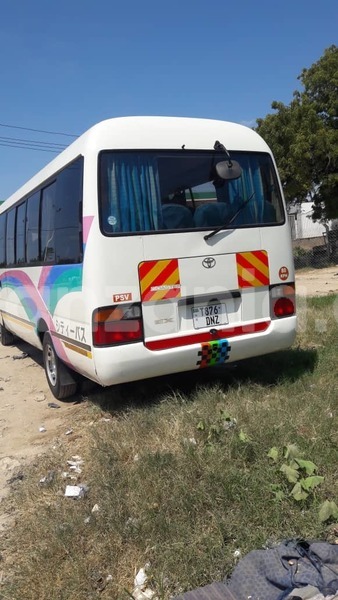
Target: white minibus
[(149, 246)]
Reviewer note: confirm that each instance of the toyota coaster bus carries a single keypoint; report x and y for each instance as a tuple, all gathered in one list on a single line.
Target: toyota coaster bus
[(149, 246)]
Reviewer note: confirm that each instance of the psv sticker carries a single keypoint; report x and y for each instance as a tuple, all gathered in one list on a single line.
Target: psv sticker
[(127, 296)]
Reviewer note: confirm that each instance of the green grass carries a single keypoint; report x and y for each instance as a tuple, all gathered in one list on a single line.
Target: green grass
[(181, 475)]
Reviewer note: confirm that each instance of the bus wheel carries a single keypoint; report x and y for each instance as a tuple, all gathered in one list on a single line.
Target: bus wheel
[(59, 377), (7, 338)]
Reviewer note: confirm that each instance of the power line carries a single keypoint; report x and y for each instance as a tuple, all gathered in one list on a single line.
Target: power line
[(27, 144), (35, 142), (22, 147), (39, 130)]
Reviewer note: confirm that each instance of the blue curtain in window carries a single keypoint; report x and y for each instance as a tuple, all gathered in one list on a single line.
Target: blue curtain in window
[(134, 202), (249, 184)]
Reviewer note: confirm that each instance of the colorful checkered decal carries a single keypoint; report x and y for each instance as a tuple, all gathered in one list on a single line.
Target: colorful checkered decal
[(252, 269), (159, 280), (213, 353)]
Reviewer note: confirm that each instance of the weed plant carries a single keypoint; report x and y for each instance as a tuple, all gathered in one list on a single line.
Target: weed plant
[(182, 476)]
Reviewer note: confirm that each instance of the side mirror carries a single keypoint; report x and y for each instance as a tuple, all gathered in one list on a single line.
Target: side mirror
[(228, 169)]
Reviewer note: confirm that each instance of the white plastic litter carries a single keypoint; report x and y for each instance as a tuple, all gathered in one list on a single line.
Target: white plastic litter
[(141, 578), (146, 594), (42, 429), (66, 475), (140, 592), (189, 441), (75, 469), (75, 464), (69, 432), (75, 491)]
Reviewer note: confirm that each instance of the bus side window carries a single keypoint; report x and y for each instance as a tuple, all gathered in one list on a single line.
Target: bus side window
[(3, 240), (271, 199), (32, 229), (21, 233), (48, 224), (68, 218), (10, 239)]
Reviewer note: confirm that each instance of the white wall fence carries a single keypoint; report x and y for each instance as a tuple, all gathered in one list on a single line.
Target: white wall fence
[(314, 244)]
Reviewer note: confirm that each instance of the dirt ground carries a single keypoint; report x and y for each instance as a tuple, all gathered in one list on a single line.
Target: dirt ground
[(25, 395), (28, 426), (317, 282)]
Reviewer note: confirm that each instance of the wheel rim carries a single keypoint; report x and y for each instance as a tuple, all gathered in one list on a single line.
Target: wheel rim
[(51, 367)]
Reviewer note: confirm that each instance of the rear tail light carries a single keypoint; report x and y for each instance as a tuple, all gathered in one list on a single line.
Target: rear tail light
[(120, 324), (282, 300)]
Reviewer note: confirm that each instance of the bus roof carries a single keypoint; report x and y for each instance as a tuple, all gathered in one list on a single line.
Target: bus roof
[(156, 133)]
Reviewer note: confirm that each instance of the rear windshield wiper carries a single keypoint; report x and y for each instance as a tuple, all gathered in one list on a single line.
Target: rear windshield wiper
[(229, 221)]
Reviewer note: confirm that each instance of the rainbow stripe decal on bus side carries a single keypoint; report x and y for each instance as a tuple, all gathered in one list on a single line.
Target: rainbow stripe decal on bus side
[(252, 269), (55, 281), (159, 280), (58, 280), (39, 302), (213, 353)]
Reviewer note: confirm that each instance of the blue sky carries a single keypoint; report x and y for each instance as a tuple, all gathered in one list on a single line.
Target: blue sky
[(66, 65)]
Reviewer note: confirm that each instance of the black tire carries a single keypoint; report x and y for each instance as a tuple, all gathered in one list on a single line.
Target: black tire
[(7, 338), (60, 379)]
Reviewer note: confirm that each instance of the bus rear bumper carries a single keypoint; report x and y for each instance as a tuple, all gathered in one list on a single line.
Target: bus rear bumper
[(134, 361)]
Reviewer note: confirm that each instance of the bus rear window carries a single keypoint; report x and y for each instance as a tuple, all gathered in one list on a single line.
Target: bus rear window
[(180, 190)]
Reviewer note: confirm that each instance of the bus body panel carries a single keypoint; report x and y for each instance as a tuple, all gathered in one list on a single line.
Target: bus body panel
[(203, 302)]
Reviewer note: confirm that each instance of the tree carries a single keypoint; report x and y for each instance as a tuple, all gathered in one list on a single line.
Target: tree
[(320, 83), (304, 137)]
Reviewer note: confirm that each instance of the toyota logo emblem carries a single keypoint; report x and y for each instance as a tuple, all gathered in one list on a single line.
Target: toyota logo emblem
[(208, 262)]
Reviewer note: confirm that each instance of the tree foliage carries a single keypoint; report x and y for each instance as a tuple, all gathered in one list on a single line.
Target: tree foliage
[(303, 136)]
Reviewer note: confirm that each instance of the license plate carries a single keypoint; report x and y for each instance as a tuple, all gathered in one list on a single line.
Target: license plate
[(209, 315)]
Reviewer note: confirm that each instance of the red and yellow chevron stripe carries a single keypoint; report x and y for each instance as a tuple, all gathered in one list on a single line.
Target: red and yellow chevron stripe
[(252, 269), (159, 280)]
